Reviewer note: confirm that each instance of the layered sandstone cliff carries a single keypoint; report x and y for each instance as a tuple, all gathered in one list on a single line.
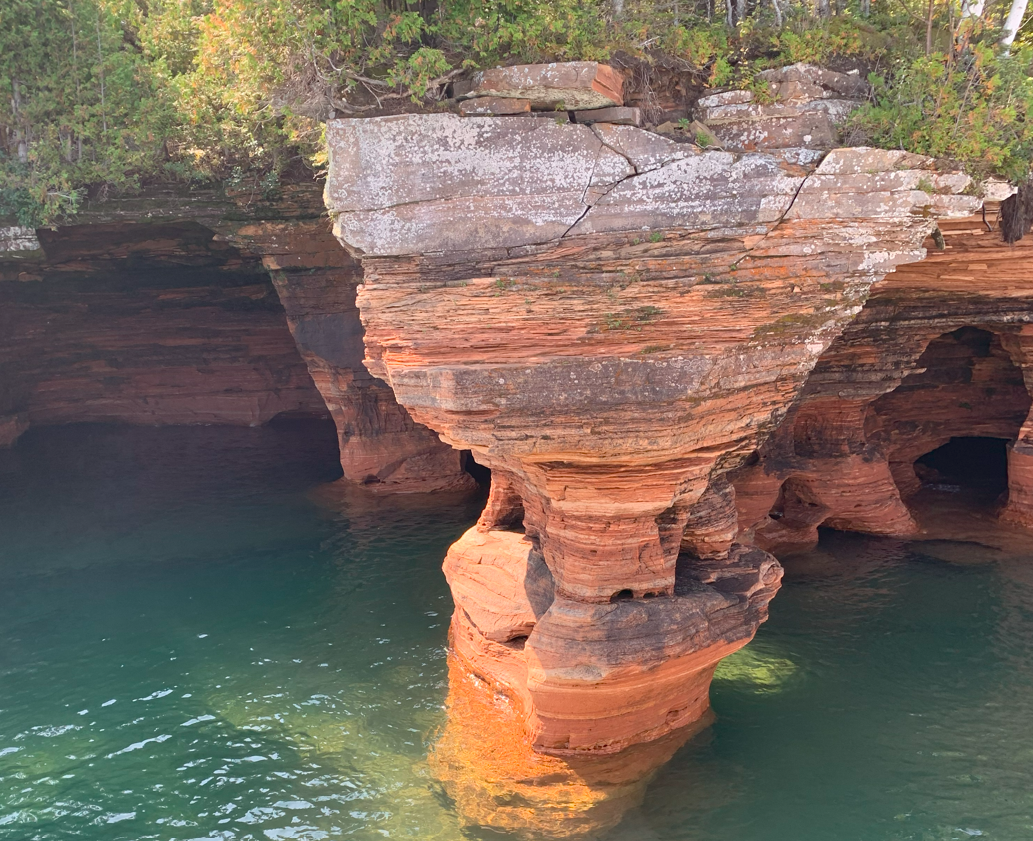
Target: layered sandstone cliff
[(147, 324), (674, 361), (159, 309), (941, 351), (611, 321), (382, 449)]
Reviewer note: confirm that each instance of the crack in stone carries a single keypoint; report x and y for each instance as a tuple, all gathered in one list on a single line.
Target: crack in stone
[(602, 140)]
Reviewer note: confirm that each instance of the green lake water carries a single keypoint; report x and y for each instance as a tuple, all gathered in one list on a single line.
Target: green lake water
[(191, 647)]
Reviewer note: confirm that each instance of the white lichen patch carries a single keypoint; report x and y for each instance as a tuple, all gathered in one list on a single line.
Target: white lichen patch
[(18, 239)]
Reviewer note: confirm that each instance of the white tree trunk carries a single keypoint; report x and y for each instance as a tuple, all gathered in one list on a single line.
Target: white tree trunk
[(972, 8), (1014, 21)]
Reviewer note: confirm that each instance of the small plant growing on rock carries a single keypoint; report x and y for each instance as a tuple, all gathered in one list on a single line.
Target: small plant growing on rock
[(631, 319)]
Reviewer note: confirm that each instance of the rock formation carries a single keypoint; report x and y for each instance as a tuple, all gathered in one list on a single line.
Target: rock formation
[(612, 321), (382, 449), (674, 360), (941, 350), (149, 324), (159, 310)]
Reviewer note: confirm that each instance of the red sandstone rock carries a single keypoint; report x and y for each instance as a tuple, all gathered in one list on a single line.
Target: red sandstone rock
[(599, 677), (148, 324), (610, 376), (936, 353), (488, 767), (382, 449), (565, 85)]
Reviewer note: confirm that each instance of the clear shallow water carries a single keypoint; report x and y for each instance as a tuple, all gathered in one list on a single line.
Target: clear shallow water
[(190, 647)]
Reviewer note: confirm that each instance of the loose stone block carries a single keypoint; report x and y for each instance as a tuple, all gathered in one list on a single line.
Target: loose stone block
[(494, 106), (570, 85), (621, 116), (809, 105)]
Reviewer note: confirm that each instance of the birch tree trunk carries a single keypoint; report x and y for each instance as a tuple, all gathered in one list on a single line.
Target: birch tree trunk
[(1014, 21)]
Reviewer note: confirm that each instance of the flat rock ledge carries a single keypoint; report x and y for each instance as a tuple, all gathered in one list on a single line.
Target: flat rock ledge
[(417, 184), (565, 86)]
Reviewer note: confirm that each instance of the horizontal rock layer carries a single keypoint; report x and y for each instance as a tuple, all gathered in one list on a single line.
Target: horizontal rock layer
[(149, 324), (382, 449), (567, 85), (169, 320), (941, 350)]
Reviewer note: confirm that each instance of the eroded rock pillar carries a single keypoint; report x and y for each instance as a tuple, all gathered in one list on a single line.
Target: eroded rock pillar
[(610, 321)]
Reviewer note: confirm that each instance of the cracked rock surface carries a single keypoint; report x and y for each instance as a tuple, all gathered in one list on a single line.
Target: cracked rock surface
[(611, 321)]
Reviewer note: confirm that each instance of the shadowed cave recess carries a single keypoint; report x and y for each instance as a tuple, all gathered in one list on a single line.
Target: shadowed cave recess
[(972, 462)]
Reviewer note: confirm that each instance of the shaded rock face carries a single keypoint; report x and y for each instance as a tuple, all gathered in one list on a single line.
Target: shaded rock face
[(146, 324), (382, 449), (611, 321), (176, 323), (939, 353), (800, 122)]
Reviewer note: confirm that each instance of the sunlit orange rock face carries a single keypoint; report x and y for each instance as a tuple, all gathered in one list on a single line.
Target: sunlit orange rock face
[(941, 350), (610, 321), (488, 768)]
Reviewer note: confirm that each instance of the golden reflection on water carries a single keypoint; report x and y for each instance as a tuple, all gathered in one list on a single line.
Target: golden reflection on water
[(486, 765)]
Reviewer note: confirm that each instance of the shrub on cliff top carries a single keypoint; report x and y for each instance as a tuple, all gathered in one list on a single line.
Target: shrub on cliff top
[(107, 94), (974, 108)]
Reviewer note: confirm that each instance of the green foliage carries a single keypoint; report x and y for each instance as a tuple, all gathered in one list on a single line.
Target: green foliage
[(80, 106), (104, 95), (488, 32), (975, 109)]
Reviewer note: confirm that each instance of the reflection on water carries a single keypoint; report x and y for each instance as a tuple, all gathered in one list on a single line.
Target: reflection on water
[(197, 645), (484, 760), (905, 715)]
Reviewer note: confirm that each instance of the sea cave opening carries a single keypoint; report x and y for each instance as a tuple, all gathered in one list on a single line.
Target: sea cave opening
[(947, 427), (480, 473), (976, 463)]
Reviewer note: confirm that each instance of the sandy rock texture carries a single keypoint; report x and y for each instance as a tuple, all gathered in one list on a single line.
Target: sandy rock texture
[(148, 324), (159, 309), (941, 350), (806, 106), (566, 86), (611, 321), (382, 448)]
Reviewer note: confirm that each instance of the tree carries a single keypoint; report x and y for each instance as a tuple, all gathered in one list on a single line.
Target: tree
[(1011, 25)]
